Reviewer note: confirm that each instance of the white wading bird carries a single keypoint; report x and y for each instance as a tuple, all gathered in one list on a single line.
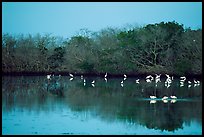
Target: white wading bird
[(153, 97), (137, 81), (49, 77), (164, 98), (173, 97), (71, 75)]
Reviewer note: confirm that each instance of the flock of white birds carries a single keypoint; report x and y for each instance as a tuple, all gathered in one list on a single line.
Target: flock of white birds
[(148, 79)]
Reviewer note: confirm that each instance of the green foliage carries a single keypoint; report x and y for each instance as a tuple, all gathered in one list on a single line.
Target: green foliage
[(56, 59), (154, 48), (87, 67), (183, 67)]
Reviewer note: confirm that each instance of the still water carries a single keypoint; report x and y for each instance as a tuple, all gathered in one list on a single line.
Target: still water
[(32, 105)]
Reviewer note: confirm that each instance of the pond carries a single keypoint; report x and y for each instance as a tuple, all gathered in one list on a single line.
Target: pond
[(34, 105)]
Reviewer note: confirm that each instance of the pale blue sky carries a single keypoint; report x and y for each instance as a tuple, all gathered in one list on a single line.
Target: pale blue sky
[(67, 18)]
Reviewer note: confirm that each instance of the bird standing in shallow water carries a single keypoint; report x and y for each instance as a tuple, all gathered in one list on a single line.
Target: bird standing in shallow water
[(48, 77), (125, 77), (173, 97), (157, 79), (149, 79), (93, 83), (164, 98), (106, 75), (182, 79), (71, 75), (153, 97), (196, 83)]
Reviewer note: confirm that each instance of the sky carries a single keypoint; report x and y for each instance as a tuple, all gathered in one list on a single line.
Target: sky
[(67, 18)]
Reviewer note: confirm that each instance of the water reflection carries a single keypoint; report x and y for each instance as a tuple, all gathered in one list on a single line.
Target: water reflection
[(107, 101)]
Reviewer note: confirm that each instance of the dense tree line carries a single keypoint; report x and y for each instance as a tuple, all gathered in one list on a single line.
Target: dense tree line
[(154, 48)]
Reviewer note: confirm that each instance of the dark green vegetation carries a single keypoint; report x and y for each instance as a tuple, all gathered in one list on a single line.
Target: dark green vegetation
[(155, 48)]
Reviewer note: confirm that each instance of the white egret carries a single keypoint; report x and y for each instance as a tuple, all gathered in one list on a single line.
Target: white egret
[(153, 97), (183, 79), (168, 82), (157, 79), (105, 79), (158, 76), (169, 79), (84, 82), (125, 76), (81, 76), (49, 77), (189, 82), (196, 83), (71, 75), (164, 98), (167, 76), (106, 75), (150, 76), (93, 82), (137, 81), (121, 82), (173, 97)]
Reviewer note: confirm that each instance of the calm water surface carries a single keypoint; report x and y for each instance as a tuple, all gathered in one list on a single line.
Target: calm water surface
[(32, 105)]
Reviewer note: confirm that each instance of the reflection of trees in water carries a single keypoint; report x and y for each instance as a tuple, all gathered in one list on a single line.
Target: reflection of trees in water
[(55, 87), (157, 116), (108, 101), (26, 92), (163, 118)]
